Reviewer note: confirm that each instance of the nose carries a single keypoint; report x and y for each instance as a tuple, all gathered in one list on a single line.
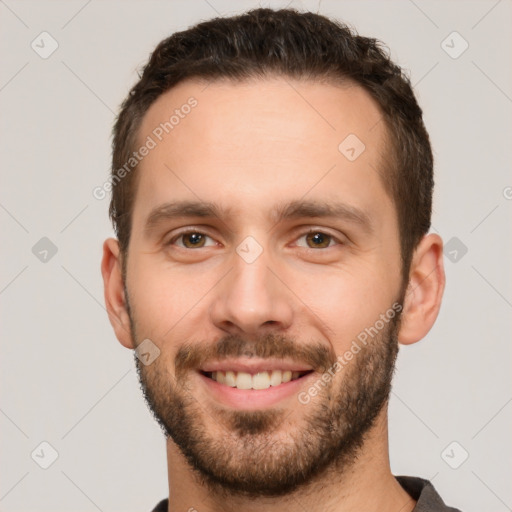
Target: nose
[(252, 298)]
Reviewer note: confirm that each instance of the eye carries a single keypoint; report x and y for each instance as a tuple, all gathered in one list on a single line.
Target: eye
[(318, 240), (191, 240)]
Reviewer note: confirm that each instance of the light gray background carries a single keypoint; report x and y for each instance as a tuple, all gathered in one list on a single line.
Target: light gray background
[(64, 377)]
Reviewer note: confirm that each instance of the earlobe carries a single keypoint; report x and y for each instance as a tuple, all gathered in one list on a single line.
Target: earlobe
[(115, 300), (425, 290)]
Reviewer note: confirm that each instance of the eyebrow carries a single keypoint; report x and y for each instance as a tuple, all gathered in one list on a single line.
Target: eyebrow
[(180, 209), (285, 211), (323, 209)]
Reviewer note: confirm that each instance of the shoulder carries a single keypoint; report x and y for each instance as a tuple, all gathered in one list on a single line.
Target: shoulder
[(163, 506), (428, 500)]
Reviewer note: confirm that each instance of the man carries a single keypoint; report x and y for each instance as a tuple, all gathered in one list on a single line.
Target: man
[(272, 188)]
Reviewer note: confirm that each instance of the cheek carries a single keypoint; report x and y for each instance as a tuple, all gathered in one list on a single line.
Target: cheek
[(343, 303), (166, 300)]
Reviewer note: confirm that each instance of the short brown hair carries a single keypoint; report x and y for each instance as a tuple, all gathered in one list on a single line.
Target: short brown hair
[(266, 42)]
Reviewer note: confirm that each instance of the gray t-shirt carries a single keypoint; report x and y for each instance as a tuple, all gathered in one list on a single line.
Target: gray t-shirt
[(424, 493), (420, 490)]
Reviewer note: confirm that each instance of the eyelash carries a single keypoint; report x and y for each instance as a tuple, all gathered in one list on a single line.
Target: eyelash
[(309, 232)]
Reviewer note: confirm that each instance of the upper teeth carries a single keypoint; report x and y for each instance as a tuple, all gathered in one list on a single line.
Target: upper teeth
[(262, 380)]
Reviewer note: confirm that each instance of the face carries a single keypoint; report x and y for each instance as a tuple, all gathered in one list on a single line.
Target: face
[(263, 251)]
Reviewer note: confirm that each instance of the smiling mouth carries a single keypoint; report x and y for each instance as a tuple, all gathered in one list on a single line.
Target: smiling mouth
[(260, 380)]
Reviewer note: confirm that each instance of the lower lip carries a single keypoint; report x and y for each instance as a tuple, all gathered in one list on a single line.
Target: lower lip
[(251, 399)]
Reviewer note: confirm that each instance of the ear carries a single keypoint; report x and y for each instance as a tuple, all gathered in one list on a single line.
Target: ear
[(425, 290), (115, 300)]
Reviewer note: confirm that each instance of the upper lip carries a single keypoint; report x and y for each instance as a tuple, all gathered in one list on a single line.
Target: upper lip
[(253, 365)]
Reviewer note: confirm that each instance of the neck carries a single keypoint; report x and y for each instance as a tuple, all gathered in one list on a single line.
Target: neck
[(367, 484)]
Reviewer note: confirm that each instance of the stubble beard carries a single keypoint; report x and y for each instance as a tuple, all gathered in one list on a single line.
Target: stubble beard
[(272, 452)]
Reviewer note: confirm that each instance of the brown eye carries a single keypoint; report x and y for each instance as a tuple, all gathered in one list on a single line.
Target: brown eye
[(191, 240), (318, 240)]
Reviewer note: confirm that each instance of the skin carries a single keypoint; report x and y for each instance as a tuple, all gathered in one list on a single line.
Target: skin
[(249, 147)]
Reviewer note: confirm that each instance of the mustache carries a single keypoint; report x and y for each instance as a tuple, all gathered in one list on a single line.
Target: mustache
[(192, 356)]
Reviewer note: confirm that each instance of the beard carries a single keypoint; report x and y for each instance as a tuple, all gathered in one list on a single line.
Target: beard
[(271, 452)]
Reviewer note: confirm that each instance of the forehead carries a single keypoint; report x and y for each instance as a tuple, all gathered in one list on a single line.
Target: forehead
[(248, 144)]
